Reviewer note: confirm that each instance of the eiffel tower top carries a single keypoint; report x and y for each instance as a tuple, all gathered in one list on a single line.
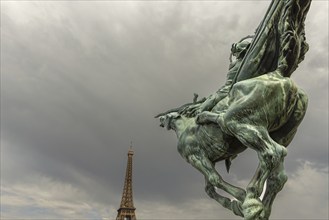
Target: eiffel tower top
[(127, 209), (130, 152)]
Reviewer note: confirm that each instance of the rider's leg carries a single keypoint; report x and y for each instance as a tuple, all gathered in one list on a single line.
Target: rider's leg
[(206, 117)]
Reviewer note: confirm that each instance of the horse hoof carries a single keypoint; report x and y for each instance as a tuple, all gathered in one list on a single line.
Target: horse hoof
[(253, 209), (236, 207)]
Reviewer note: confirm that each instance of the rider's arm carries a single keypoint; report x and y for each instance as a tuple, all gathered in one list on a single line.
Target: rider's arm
[(212, 100)]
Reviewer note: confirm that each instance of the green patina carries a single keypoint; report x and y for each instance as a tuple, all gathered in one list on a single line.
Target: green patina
[(259, 107)]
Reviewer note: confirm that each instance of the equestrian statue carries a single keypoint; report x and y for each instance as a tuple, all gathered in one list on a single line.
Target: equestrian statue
[(259, 107)]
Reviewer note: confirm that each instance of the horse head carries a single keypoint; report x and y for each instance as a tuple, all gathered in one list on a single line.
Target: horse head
[(168, 120)]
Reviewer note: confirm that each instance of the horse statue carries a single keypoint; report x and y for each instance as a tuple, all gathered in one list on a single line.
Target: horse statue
[(247, 122), (259, 107)]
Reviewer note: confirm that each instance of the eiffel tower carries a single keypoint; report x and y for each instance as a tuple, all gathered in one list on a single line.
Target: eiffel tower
[(127, 209)]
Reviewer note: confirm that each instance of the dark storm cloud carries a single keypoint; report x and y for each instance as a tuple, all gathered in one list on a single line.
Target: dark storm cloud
[(80, 80)]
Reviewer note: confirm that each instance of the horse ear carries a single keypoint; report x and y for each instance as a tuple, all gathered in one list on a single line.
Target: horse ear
[(158, 115)]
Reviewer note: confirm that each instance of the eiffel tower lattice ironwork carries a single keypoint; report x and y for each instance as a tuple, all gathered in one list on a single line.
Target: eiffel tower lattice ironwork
[(127, 209)]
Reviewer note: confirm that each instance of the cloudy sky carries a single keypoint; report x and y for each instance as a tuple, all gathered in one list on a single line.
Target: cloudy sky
[(80, 80)]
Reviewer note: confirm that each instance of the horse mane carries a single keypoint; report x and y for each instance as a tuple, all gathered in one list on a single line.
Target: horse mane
[(181, 108)]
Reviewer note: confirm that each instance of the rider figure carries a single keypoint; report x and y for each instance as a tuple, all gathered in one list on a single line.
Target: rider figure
[(238, 50)]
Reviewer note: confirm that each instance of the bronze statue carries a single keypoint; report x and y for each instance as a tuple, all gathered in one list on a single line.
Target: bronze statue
[(259, 107)]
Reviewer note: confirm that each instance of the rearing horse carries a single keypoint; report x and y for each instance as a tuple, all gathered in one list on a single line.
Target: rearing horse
[(259, 107), (241, 121)]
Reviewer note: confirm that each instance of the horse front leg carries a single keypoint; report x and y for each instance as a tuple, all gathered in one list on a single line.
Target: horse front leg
[(207, 168), (234, 206)]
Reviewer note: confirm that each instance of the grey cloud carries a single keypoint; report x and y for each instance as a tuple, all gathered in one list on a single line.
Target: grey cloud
[(80, 80)]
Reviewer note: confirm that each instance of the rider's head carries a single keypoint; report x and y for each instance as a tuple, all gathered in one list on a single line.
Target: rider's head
[(239, 49)]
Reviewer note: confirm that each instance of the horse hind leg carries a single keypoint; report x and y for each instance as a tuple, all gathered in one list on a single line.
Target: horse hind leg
[(274, 185), (287, 132), (255, 137), (284, 137), (270, 155)]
